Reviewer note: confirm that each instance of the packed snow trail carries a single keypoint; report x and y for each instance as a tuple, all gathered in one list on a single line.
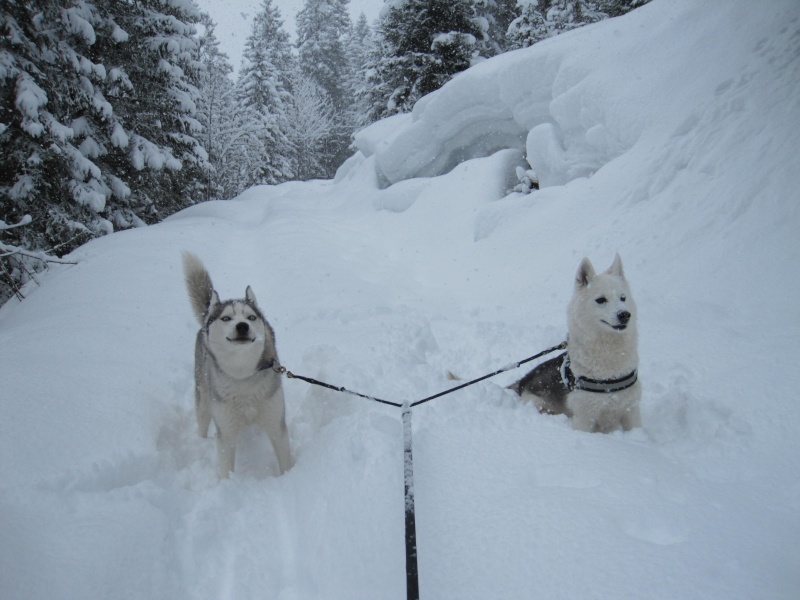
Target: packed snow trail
[(687, 170)]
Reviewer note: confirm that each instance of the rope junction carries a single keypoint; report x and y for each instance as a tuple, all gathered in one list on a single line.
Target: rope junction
[(412, 572)]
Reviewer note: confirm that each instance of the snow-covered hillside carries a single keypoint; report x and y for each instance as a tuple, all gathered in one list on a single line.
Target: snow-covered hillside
[(669, 135)]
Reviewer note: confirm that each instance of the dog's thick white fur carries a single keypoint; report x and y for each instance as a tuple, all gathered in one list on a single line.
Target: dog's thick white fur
[(235, 384), (603, 345)]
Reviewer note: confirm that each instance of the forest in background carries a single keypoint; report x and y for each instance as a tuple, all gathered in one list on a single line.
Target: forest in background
[(117, 113)]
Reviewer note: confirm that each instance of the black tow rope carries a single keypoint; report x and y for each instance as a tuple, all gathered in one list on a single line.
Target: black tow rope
[(344, 390), (412, 571)]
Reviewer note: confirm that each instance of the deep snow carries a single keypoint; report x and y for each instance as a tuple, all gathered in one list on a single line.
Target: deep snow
[(669, 135)]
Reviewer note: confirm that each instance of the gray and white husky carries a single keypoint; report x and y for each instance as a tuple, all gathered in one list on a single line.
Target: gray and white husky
[(596, 381), (235, 382)]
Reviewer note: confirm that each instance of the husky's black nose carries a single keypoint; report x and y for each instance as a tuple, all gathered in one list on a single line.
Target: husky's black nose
[(242, 328), (624, 316)]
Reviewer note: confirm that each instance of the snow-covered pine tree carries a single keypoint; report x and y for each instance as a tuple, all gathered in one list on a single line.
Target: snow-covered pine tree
[(95, 108), (497, 16), (264, 94), (214, 107), (323, 27), (360, 44), (39, 162), (155, 96), (565, 15), (424, 43), (372, 97), (235, 146), (615, 8), (540, 19), (530, 26), (312, 123), (59, 126)]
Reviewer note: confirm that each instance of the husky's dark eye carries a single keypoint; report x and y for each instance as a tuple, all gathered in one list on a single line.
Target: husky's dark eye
[(601, 300), (623, 298), (251, 318), (225, 319)]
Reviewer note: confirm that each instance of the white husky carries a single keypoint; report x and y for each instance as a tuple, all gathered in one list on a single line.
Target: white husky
[(236, 382), (596, 381)]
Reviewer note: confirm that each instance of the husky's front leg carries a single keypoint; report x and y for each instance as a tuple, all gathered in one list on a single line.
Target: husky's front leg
[(279, 436), (201, 411), (274, 423), (226, 452)]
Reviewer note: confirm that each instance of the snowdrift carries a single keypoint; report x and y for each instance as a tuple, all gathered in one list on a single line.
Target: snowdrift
[(669, 135)]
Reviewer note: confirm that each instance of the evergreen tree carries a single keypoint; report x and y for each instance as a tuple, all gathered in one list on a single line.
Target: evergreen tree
[(322, 30), (498, 15), (530, 26), (424, 43), (160, 56), (96, 108), (312, 123), (616, 8), (360, 44), (373, 95), (215, 107), (233, 131), (323, 27), (541, 19), (264, 94)]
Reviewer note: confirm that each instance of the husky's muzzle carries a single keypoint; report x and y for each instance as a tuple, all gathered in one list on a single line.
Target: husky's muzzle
[(242, 334)]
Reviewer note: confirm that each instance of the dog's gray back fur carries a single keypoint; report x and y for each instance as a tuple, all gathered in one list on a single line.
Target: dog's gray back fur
[(546, 385)]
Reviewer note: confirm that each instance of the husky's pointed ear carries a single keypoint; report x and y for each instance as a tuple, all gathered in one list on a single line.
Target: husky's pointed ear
[(213, 302), (616, 267), (585, 273), (250, 296)]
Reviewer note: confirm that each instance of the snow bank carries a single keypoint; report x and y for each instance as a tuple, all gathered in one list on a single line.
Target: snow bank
[(575, 106), (677, 127)]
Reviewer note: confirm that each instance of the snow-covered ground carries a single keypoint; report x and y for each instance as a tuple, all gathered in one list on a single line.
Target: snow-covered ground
[(670, 135)]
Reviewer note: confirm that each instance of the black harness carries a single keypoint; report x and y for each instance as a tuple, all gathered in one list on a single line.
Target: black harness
[(600, 386)]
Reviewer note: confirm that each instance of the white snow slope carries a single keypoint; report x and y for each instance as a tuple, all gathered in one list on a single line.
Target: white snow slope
[(670, 135)]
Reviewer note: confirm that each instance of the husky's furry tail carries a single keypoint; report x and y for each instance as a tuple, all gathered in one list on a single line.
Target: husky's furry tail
[(198, 284)]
